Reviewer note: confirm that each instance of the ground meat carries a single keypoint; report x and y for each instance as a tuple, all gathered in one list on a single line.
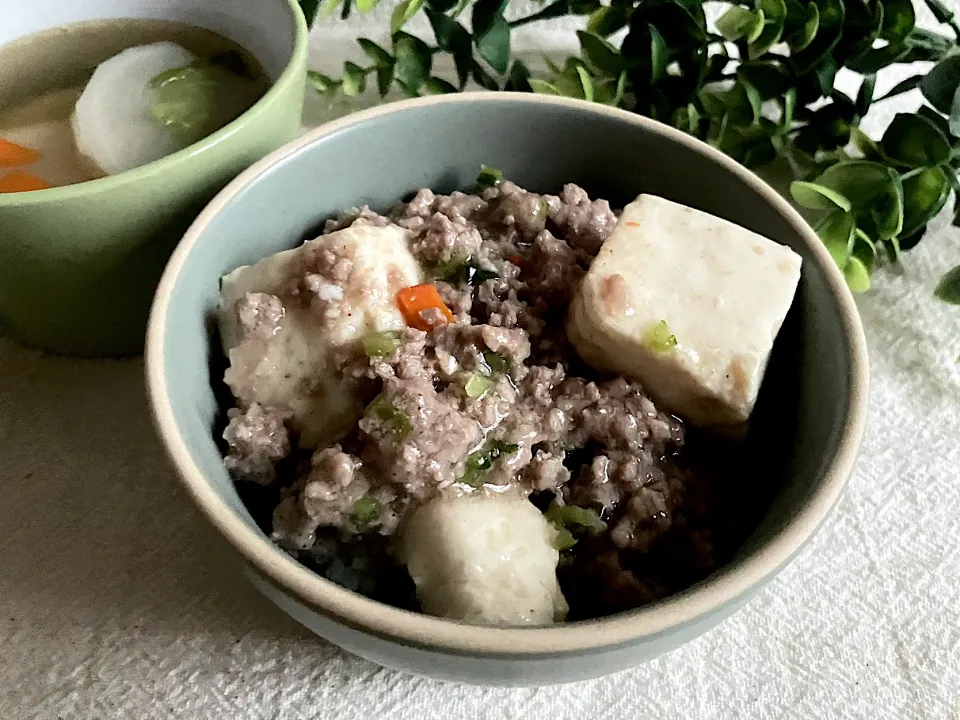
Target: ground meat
[(502, 375), (257, 439), (584, 223)]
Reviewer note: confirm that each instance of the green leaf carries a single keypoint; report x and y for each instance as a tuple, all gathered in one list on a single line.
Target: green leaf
[(914, 141), (901, 87), (309, 8), (543, 88), (494, 44), (954, 121), (365, 6), (599, 54), (924, 195), (864, 250), (413, 61), (323, 84), (438, 86), (829, 31), (485, 13), (789, 108), (587, 83), (942, 123), (940, 85), (899, 19), (402, 13), (453, 38), (774, 13), (384, 79), (862, 142), (354, 80), (805, 32), (379, 56), (865, 94), (328, 8), (875, 60), (770, 79), (941, 12), (607, 20), (659, 55), (857, 276), (874, 191), (827, 75), (519, 78), (738, 22), (948, 289), (817, 197), (441, 6), (482, 77), (837, 230)]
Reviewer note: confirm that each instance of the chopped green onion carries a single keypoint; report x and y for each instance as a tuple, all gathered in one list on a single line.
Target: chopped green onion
[(365, 512), (564, 515), (659, 338), (480, 461), (381, 343), (463, 272), (543, 210), (477, 386), (392, 419), (564, 539), (496, 362), (489, 177)]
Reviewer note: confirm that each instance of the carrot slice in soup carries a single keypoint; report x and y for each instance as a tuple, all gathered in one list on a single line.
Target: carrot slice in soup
[(22, 182), (12, 155), (417, 303)]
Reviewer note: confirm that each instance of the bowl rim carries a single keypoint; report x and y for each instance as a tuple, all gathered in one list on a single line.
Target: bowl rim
[(81, 190), (420, 630)]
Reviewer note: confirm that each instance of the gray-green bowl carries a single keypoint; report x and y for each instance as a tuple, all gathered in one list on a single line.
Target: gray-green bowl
[(813, 401)]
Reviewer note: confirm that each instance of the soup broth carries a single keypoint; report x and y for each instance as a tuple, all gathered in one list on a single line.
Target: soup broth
[(43, 76)]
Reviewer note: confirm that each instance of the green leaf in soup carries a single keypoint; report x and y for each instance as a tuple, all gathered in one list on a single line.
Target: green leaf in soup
[(365, 512), (948, 289), (924, 195), (899, 18), (379, 56), (857, 276), (914, 141), (817, 197), (602, 56), (739, 22), (806, 31), (770, 79), (354, 80), (774, 12), (184, 100), (940, 84), (413, 61), (836, 231)]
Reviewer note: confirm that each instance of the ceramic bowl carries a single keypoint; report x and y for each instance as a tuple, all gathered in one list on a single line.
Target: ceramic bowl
[(79, 264), (810, 415)]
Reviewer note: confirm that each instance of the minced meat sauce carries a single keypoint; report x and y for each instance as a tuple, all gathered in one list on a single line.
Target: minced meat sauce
[(494, 398)]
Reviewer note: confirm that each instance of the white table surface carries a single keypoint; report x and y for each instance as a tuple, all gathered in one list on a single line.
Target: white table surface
[(116, 601)]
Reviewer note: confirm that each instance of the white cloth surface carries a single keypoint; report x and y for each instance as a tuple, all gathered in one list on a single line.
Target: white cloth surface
[(116, 601)]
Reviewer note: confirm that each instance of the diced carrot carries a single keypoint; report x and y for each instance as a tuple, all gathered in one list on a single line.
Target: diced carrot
[(414, 301), (632, 224), (22, 182), (12, 155), (517, 260)]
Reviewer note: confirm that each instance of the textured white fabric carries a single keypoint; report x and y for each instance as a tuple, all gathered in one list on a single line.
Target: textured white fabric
[(116, 603)]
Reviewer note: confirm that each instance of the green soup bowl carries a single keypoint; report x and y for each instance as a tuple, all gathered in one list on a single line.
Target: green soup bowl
[(79, 264), (807, 423)]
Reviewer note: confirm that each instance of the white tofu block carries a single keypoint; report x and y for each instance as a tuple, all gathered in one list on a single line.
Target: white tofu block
[(296, 368), (484, 559), (722, 291)]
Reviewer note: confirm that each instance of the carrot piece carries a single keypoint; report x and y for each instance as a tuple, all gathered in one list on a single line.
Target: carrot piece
[(12, 155), (22, 182), (414, 301)]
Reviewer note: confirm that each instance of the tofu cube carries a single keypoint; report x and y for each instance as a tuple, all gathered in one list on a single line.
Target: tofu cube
[(293, 362), (689, 305)]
